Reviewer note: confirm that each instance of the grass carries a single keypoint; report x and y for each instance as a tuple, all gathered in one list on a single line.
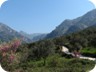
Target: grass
[(89, 50), (58, 64)]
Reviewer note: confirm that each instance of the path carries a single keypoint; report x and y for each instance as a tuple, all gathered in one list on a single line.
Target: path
[(66, 51)]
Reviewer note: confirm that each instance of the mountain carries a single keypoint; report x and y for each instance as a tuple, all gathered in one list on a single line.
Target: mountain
[(31, 36), (7, 34), (34, 37), (39, 37), (75, 25)]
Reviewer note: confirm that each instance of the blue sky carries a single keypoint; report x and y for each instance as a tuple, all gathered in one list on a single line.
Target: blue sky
[(41, 16)]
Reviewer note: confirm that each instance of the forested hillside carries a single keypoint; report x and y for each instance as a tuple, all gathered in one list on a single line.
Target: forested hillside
[(46, 55)]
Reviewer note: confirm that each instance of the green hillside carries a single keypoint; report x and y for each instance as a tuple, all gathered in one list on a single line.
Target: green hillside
[(46, 56)]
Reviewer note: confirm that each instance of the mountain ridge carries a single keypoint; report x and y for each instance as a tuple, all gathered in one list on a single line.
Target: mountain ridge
[(7, 34), (34, 37), (70, 26)]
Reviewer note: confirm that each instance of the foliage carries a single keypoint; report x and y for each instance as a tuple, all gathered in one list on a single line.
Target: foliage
[(8, 52), (56, 63), (46, 55)]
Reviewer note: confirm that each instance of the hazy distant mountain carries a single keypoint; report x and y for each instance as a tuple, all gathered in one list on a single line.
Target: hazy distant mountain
[(35, 36), (31, 36), (7, 34), (39, 37), (70, 26)]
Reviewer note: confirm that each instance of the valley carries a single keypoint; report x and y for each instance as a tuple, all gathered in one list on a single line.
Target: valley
[(43, 53)]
